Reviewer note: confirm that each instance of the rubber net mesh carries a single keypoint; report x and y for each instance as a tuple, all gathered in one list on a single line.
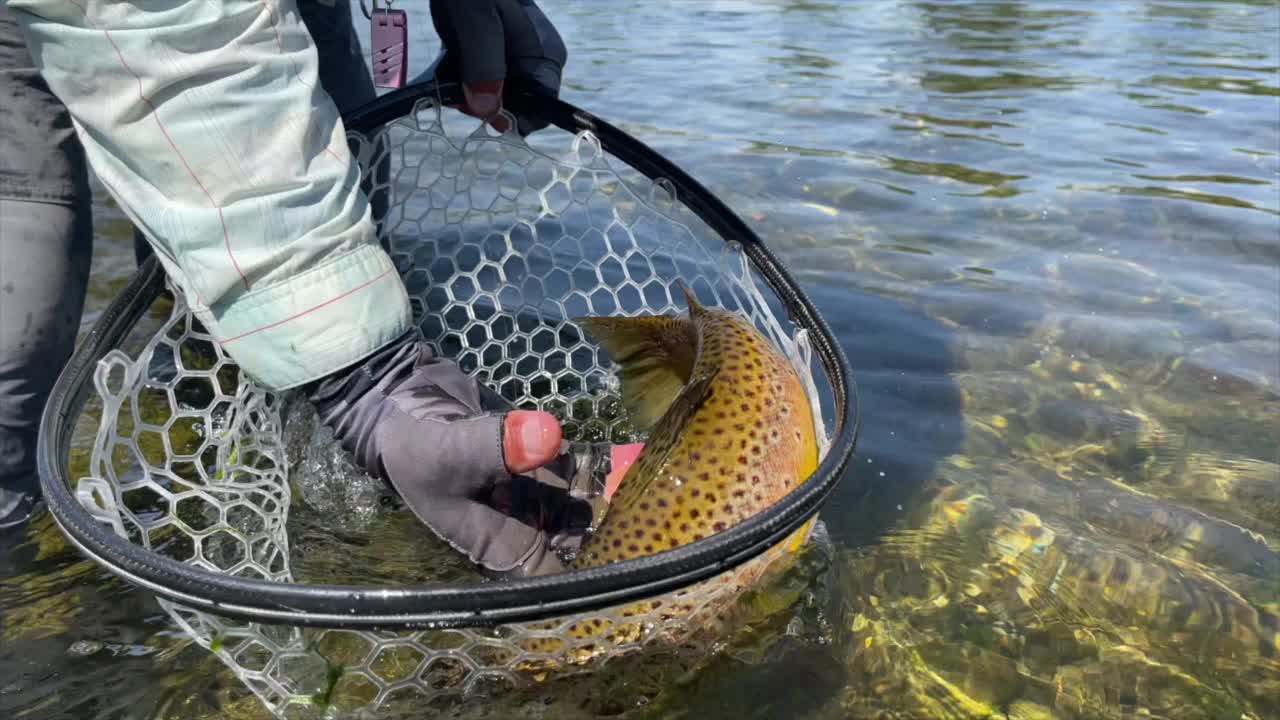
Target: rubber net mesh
[(500, 241)]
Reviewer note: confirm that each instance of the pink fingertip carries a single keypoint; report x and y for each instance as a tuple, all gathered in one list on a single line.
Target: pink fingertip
[(530, 440)]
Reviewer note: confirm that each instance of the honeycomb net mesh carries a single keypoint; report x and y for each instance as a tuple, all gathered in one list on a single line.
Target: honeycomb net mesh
[(501, 242)]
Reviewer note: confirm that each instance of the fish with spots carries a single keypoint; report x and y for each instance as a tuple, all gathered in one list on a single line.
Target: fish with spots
[(730, 432), (729, 423)]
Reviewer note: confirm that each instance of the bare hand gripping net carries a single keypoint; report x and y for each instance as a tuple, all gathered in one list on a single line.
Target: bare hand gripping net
[(500, 241)]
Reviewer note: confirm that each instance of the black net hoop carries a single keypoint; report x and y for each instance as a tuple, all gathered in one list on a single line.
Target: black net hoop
[(79, 509)]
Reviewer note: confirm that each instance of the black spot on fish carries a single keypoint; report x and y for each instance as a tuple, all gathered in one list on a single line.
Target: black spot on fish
[(694, 514), (718, 526)]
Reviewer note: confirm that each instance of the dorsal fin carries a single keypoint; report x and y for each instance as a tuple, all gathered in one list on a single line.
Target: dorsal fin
[(695, 307)]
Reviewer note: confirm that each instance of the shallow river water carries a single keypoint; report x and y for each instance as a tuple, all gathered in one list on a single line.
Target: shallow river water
[(1047, 235)]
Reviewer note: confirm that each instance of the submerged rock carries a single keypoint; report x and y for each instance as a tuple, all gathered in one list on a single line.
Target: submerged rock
[(977, 606), (1124, 682)]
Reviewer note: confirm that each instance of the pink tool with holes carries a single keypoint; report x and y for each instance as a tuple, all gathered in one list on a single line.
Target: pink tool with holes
[(389, 46)]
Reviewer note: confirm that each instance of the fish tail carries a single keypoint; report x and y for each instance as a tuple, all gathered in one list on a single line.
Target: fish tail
[(655, 355)]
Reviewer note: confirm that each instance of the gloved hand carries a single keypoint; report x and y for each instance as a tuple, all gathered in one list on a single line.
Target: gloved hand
[(489, 42), (497, 484)]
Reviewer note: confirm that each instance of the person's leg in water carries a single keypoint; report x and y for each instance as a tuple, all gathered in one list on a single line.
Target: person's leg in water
[(343, 74), (46, 246), (46, 231)]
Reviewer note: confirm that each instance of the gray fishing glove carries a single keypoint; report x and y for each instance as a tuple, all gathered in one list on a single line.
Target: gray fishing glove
[(495, 483), (492, 45)]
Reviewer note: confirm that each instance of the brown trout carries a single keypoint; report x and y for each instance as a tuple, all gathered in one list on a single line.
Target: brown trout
[(730, 429), (730, 432)]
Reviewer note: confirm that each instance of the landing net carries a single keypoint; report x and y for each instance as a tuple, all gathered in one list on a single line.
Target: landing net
[(500, 241)]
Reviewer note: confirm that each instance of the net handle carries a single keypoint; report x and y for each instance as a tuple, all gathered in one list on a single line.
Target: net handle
[(453, 604)]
